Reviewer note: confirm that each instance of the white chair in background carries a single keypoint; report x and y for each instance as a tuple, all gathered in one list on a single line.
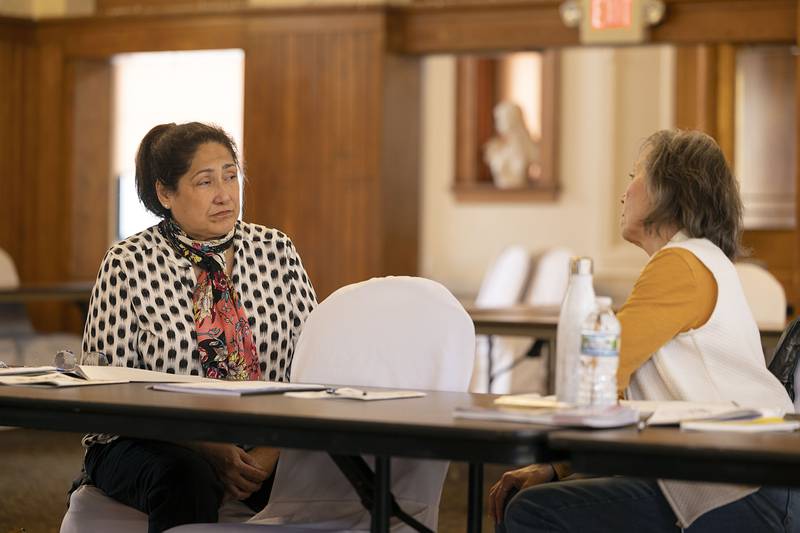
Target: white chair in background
[(19, 343), (551, 277), (764, 294), (546, 288), (503, 285)]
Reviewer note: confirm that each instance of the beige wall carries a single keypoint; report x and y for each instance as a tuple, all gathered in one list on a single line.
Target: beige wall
[(611, 99)]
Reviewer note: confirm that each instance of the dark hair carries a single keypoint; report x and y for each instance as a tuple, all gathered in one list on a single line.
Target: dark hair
[(691, 187), (165, 154)]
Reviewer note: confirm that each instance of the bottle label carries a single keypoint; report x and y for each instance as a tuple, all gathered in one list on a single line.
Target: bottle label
[(600, 344)]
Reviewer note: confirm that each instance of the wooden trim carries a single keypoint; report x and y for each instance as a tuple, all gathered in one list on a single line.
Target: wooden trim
[(16, 30), (726, 101), (696, 87), (464, 26), (728, 21), (125, 7), (551, 118), (502, 26), (488, 193), (476, 96), (103, 37)]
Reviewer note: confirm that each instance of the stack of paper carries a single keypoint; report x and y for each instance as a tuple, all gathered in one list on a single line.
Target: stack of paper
[(585, 417), (350, 393), (50, 376), (744, 423), (236, 388)]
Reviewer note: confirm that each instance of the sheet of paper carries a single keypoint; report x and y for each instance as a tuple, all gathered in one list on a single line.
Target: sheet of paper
[(671, 413), (236, 388), (23, 370), (530, 400), (52, 379), (754, 425), (585, 417), (136, 375), (349, 393)]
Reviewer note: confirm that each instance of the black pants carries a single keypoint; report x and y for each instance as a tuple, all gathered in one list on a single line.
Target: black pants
[(172, 484)]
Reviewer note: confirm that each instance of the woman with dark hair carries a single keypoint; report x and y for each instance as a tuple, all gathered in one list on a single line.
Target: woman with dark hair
[(687, 334), (200, 293)]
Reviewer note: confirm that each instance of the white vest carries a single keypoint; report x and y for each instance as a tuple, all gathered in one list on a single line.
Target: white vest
[(720, 361)]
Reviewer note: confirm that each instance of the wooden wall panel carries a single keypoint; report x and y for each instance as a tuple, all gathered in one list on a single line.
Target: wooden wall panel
[(89, 125), (46, 203), (14, 39), (313, 152), (400, 212)]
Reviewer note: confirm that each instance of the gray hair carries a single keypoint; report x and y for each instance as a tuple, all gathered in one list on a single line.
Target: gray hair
[(692, 188)]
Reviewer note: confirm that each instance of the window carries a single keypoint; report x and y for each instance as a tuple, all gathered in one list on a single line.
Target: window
[(161, 87), (766, 138)]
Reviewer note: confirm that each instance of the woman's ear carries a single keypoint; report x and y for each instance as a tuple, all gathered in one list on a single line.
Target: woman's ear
[(164, 195)]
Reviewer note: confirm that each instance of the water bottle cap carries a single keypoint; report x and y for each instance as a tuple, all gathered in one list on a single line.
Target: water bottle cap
[(580, 265), (603, 302)]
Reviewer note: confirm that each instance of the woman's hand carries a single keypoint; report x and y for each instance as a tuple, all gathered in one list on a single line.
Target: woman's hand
[(266, 458), (240, 473), (523, 478)]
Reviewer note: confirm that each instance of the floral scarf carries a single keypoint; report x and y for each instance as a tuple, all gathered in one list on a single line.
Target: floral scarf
[(224, 339)]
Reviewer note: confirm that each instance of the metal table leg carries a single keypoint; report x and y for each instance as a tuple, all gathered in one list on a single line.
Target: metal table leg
[(475, 498), (489, 363), (381, 510)]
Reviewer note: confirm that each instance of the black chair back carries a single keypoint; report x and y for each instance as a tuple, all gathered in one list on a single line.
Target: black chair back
[(784, 362)]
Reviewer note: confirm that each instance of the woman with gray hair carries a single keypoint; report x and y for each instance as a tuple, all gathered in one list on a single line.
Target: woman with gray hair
[(687, 334)]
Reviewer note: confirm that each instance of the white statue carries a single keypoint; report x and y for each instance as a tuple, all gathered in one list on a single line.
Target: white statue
[(511, 154)]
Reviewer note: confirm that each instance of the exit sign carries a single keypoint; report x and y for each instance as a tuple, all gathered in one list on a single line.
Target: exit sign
[(607, 14), (612, 21)]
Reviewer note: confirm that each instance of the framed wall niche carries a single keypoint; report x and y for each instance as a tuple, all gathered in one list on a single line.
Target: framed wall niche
[(528, 79)]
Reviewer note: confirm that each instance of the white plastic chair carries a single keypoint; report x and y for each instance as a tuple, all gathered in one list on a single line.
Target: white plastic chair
[(397, 332), (503, 285), (764, 295)]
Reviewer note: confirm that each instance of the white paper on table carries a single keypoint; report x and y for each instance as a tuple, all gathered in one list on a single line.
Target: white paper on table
[(349, 393), (236, 388), (672, 413), (136, 375), (531, 399)]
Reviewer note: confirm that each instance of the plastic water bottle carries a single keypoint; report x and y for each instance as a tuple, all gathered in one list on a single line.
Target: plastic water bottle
[(578, 303), (599, 356)]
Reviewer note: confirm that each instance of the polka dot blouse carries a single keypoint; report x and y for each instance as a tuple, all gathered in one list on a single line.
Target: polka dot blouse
[(140, 314)]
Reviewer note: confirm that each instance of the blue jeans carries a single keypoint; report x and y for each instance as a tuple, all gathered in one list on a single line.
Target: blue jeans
[(627, 504)]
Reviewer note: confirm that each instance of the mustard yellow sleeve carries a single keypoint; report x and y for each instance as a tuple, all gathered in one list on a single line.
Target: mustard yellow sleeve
[(674, 293)]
